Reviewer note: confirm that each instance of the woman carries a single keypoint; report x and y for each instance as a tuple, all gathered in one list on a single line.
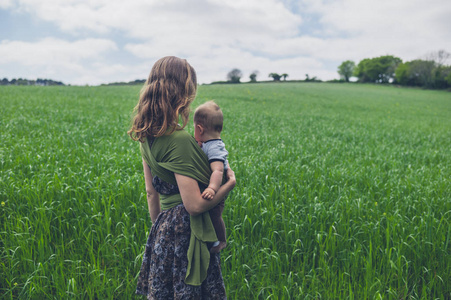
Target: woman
[(177, 263)]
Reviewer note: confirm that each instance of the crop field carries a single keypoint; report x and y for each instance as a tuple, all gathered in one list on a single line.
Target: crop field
[(343, 192)]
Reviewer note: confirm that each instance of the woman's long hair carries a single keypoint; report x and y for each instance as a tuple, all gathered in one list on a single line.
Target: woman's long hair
[(164, 99)]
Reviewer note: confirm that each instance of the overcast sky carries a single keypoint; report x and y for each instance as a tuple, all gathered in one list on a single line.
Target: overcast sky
[(101, 41)]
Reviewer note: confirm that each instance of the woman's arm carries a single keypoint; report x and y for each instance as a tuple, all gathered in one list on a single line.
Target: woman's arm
[(192, 199), (153, 199)]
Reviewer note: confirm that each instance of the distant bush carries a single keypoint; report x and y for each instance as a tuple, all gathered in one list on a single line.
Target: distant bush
[(337, 81), (220, 82), (313, 79), (135, 82), (39, 81)]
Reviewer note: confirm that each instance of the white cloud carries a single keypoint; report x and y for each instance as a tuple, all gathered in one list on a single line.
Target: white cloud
[(286, 36), (148, 19), (382, 18), (53, 51), (5, 4), (60, 59), (402, 28)]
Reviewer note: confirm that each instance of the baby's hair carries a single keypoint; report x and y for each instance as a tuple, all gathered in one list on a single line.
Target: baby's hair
[(209, 115), (165, 97)]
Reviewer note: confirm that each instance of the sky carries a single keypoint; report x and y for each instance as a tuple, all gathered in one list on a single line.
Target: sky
[(92, 42)]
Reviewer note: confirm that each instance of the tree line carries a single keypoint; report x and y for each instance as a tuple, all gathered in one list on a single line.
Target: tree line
[(235, 75), (134, 82), (39, 81), (431, 72)]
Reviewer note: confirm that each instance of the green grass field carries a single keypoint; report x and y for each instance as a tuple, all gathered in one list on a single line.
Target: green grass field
[(344, 192)]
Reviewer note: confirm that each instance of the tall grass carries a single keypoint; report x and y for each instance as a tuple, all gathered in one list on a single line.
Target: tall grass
[(343, 192)]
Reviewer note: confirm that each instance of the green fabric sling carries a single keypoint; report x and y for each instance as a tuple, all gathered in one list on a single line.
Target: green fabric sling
[(179, 153)]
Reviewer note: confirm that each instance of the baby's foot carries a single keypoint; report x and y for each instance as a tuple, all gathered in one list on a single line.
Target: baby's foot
[(219, 247)]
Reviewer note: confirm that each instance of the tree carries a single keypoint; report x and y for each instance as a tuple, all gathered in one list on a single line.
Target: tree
[(378, 70), (415, 73), (402, 74), (423, 73), (440, 57), (442, 75), (284, 75), (448, 79), (275, 76), (234, 76), (346, 69), (420, 71), (253, 76), (360, 70)]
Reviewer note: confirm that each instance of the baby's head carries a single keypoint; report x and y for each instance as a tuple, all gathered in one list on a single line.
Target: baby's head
[(208, 120)]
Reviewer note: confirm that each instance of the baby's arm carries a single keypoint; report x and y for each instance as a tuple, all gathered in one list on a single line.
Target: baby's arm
[(217, 168)]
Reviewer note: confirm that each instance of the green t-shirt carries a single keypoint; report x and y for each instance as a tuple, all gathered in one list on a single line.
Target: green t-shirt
[(179, 153)]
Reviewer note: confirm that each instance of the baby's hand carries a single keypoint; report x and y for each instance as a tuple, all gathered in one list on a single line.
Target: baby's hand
[(208, 194)]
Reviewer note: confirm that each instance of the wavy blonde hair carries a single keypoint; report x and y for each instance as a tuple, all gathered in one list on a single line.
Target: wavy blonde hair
[(164, 99)]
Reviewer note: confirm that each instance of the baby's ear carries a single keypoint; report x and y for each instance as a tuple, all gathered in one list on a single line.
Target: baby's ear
[(201, 128)]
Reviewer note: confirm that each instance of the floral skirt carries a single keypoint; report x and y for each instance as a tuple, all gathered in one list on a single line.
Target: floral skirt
[(165, 262)]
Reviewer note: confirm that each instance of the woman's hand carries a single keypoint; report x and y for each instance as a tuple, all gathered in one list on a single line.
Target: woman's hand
[(231, 177), (192, 198)]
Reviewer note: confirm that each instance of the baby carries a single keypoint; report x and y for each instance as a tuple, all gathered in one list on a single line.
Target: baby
[(208, 120)]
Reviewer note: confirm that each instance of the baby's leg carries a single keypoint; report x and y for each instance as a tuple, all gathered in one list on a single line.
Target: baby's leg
[(218, 224)]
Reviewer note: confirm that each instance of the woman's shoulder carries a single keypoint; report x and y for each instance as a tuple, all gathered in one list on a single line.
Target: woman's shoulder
[(176, 140), (183, 134), (177, 136)]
